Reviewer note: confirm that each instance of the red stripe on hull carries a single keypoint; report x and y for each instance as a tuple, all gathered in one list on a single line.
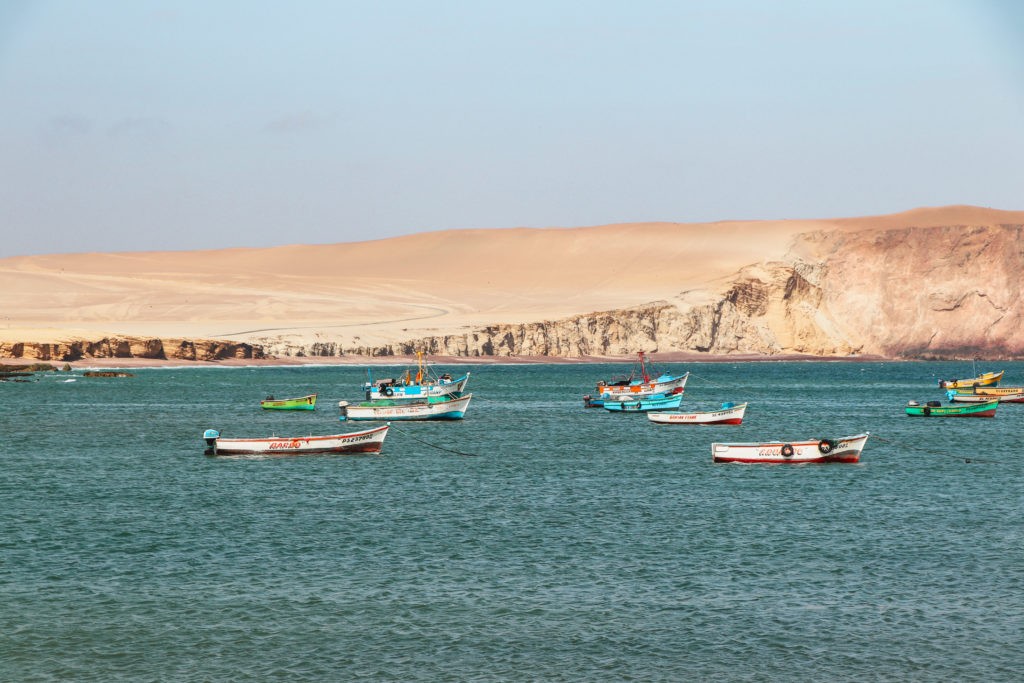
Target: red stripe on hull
[(817, 461), (984, 413)]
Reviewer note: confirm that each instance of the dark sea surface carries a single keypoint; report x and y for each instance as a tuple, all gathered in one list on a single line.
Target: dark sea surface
[(558, 544)]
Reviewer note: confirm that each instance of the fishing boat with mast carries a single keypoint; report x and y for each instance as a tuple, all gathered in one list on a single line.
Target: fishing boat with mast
[(985, 379), (640, 383), (418, 387), (430, 408)]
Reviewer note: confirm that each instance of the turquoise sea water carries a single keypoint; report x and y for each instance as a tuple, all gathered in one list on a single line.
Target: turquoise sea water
[(572, 544)]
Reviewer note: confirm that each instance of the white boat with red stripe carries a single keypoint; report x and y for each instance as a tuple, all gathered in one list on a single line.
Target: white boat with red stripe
[(366, 441), (728, 414), (845, 449)]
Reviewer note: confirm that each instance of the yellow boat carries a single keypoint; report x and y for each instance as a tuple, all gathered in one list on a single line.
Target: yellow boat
[(985, 379)]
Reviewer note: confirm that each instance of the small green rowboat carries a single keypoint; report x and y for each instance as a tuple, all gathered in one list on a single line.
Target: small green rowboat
[(300, 403), (936, 409)]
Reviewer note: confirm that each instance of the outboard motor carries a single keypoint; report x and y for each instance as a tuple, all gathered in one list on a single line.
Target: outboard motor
[(211, 436)]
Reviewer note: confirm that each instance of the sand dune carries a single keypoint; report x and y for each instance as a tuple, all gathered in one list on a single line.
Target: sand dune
[(385, 290)]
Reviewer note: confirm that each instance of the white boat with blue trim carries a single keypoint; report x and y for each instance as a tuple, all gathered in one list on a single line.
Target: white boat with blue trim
[(431, 408)]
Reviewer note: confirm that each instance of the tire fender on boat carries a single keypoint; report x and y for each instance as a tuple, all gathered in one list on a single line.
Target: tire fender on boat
[(927, 410), (388, 391), (787, 450), (825, 446)]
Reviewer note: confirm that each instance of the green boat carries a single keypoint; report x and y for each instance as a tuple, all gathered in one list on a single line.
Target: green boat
[(300, 403), (936, 409)]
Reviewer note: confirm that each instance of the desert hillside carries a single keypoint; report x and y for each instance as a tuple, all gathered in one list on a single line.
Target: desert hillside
[(940, 282)]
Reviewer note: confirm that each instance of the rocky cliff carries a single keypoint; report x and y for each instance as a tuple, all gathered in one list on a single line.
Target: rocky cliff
[(130, 347), (912, 292)]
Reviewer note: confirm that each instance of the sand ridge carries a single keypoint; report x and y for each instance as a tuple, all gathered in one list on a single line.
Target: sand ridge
[(401, 288)]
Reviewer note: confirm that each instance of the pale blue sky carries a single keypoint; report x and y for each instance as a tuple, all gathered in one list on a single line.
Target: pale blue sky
[(130, 125)]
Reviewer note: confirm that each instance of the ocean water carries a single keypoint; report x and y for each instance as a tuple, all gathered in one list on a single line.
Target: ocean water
[(532, 541)]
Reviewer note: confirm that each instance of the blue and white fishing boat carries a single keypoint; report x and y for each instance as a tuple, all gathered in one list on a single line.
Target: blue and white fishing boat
[(638, 384), (424, 384), (432, 408), (645, 404)]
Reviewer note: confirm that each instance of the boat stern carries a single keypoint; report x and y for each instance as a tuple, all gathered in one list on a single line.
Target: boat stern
[(210, 436)]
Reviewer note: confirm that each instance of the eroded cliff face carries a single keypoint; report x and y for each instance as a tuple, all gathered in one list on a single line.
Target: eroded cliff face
[(131, 347), (767, 310), (936, 292), (930, 292)]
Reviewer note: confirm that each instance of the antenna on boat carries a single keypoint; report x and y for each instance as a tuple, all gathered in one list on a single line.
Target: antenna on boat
[(643, 367)]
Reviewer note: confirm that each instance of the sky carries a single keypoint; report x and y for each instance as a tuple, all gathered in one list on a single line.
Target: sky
[(141, 125)]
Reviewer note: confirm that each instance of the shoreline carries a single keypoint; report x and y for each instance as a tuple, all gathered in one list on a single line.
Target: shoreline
[(655, 358)]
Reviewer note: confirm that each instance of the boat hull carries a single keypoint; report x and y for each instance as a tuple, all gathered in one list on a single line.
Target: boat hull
[(816, 451), (453, 409), (725, 416), (985, 394), (416, 392), (987, 409), (366, 441), (644, 405), (301, 403), (666, 384)]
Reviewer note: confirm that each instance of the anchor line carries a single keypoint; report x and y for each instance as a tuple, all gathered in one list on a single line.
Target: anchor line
[(932, 451), (427, 443), (707, 382)]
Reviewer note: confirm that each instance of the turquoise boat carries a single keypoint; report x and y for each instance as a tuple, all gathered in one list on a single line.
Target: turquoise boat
[(645, 404), (936, 409)]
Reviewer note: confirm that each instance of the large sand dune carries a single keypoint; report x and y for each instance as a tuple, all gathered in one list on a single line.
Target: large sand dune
[(395, 289)]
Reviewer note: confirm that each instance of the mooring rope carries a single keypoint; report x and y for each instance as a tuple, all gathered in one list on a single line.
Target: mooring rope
[(427, 443), (933, 451), (707, 382)]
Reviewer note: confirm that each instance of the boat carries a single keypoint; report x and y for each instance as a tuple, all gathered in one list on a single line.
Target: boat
[(645, 404), (610, 397), (845, 449), (936, 409), (300, 403), (985, 379), (639, 383), (983, 394), (424, 384), (366, 441), (431, 408), (728, 414)]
